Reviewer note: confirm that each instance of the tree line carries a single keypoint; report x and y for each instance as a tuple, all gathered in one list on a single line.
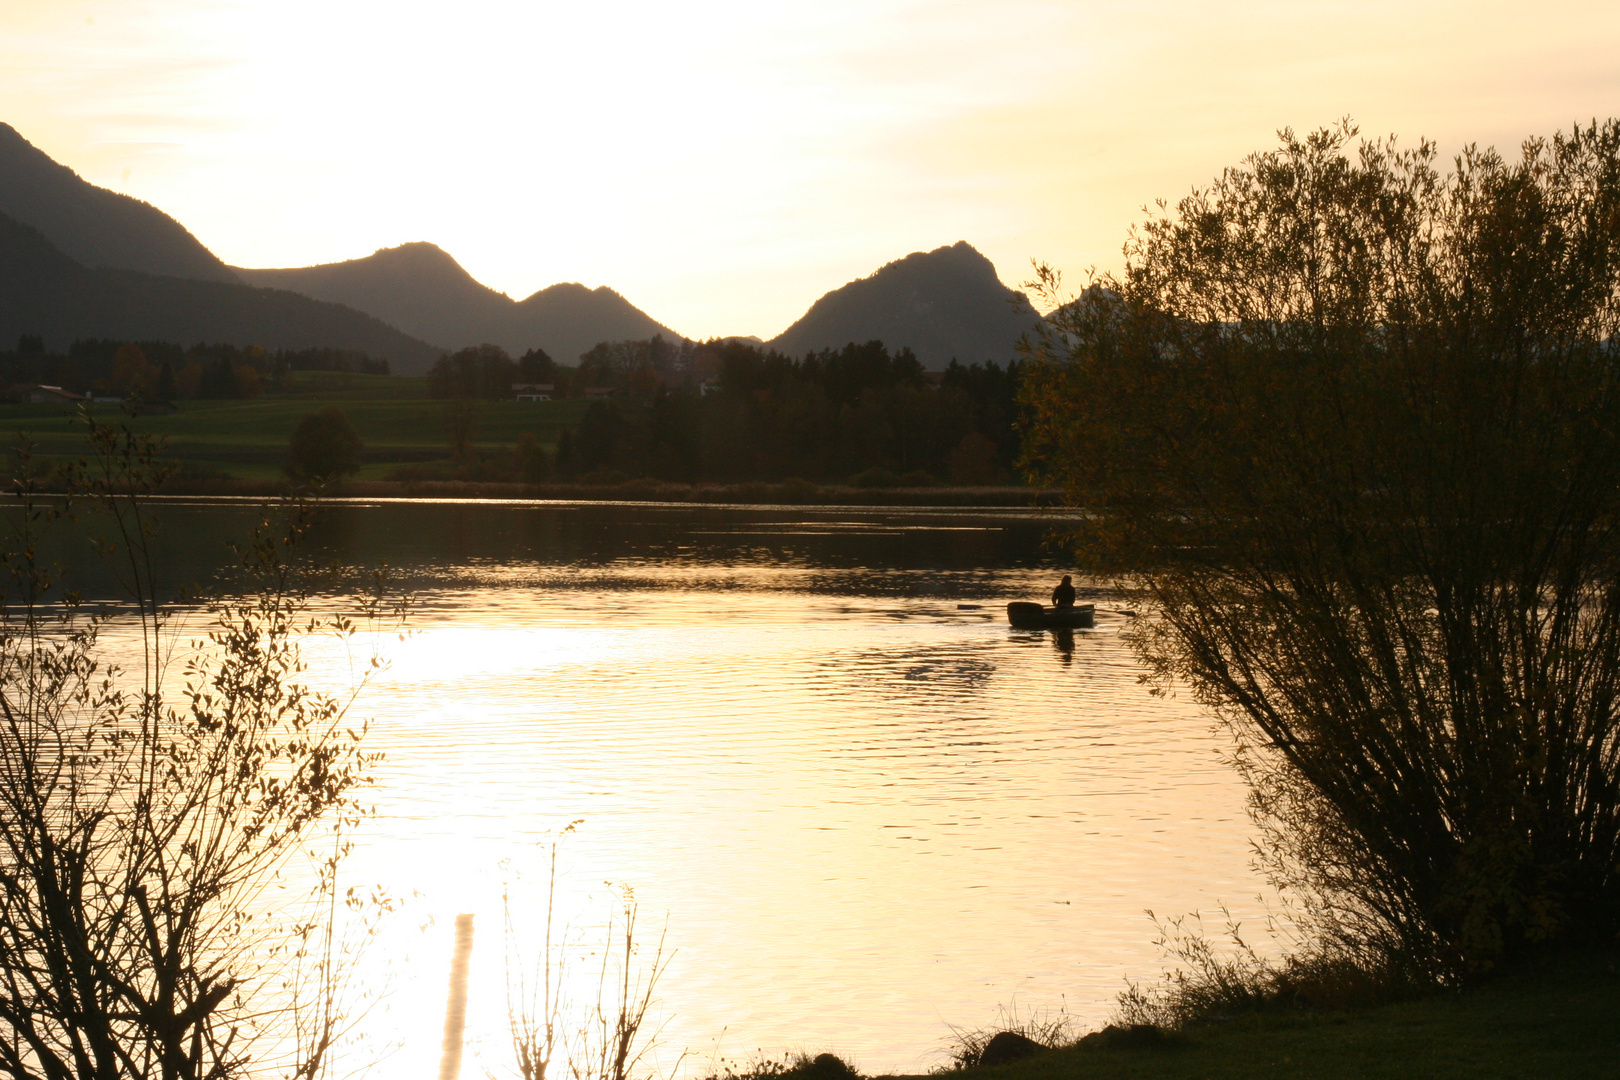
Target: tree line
[(488, 371), (730, 411), (860, 413), (163, 371)]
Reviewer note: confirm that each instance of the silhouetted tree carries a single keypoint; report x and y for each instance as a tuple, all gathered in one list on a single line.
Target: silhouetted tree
[(142, 821), (1352, 426), (535, 366), (131, 373), (218, 379), (567, 465), (165, 384), (482, 372), (460, 423), (529, 459), (324, 446)]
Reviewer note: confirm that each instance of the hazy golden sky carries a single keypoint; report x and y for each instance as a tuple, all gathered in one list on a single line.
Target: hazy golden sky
[(724, 163)]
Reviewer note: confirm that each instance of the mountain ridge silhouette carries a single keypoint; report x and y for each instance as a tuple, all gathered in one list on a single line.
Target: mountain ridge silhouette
[(945, 304), (44, 292), (420, 288), (95, 227), (414, 300)]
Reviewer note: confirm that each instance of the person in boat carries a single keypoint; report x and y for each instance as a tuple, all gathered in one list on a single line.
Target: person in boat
[(1063, 595)]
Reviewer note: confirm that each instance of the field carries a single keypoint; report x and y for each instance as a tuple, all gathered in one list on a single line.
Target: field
[(247, 439)]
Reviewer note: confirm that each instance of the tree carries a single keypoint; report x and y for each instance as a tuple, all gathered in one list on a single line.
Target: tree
[(536, 366), (482, 372), (218, 379), (460, 425), (324, 446), (1352, 428), (132, 372), (529, 459), (165, 383), (140, 822)]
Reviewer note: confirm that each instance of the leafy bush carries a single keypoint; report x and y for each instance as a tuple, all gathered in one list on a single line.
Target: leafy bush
[(143, 816), (324, 446), (1352, 428)]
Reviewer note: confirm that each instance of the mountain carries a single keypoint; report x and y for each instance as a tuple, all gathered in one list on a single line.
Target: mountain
[(416, 287), (423, 291), (94, 226), (107, 264), (572, 318), (944, 304), (43, 291)]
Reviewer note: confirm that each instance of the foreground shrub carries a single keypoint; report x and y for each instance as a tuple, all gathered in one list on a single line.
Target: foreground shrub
[(144, 813), (966, 1047), (795, 1066), (1217, 978), (1352, 428)]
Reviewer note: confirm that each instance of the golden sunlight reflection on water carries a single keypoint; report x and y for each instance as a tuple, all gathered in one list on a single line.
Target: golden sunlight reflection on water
[(864, 816)]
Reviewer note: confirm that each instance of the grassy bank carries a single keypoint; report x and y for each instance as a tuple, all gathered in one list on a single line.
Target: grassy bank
[(1560, 1020), (789, 493), (248, 439), (240, 448)]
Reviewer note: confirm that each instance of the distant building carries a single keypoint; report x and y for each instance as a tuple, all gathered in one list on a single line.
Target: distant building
[(39, 394), (598, 392), (534, 391)]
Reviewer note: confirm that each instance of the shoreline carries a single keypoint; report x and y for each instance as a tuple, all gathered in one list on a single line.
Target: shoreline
[(760, 493)]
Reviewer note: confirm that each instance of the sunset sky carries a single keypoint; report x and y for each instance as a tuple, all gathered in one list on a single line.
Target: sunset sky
[(723, 163)]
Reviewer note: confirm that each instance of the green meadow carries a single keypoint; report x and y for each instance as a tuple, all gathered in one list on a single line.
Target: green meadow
[(247, 439)]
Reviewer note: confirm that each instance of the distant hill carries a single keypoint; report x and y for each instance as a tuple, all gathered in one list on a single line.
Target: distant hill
[(94, 226), (423, 291), (566, 319), (43, 291), (944, 304), (416, 287), (110, 265)]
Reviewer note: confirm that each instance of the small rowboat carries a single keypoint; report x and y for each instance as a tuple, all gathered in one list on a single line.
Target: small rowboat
[(1027, 616)]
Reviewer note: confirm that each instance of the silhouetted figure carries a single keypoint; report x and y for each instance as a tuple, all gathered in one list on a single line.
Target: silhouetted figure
[(1063, 595)]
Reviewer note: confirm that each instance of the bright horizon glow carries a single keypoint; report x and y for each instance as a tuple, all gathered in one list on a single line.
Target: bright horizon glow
[(723, 164)]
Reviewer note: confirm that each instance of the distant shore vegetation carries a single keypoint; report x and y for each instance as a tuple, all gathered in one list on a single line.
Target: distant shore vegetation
[(650, 412)]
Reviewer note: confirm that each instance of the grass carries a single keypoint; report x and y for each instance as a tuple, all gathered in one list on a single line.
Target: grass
[(247, 439), (1561, 1020), (239, 447)]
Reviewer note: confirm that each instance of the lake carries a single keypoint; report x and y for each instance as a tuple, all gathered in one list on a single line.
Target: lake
[(862, 805)]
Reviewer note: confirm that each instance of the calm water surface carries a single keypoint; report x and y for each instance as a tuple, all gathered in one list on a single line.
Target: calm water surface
[(806, 738)]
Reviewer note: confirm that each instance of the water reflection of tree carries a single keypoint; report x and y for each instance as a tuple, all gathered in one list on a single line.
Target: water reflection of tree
[(1352, 427)]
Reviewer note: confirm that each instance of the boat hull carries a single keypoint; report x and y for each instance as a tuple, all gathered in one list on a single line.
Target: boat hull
[(1027, 616)]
